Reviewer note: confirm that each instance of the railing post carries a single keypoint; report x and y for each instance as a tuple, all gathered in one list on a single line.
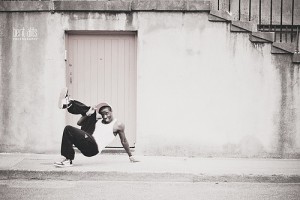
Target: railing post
[(297, 44), (281, 5), (218, 4), (259, 14), (271, 15), (292, 28), (239, 9), (229, 5), (286, 33), (249, 10)]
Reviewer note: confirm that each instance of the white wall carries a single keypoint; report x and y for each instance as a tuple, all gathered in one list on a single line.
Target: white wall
[(203, 90)]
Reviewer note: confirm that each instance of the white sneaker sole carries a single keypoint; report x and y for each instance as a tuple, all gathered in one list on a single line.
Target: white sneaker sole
[(62, 166), (62, 96)]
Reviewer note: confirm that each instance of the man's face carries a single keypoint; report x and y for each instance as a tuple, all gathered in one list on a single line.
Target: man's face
[(106, 115)]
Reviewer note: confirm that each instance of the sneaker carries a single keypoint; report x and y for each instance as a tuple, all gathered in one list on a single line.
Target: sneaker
[(64, 163), (64, 100), (133, 159)]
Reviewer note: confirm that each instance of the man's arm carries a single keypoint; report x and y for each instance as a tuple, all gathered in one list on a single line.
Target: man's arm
[(125, 144), (87, 114)]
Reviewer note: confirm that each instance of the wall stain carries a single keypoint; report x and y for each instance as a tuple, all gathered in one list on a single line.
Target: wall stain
[(129, 19), (258, 46), (287, 114), (6, 77)]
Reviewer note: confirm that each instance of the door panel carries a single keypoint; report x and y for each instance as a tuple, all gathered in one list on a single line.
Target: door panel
[(103, 68)]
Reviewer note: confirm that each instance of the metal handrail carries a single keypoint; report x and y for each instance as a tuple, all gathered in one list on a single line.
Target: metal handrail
[(284, 32)]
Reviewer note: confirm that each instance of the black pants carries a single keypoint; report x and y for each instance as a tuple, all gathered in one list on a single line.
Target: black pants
[(77, 107), (89, 125), (83, 140)]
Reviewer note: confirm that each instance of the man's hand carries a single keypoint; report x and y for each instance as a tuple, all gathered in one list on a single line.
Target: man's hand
[(90, 111), (133, 159)]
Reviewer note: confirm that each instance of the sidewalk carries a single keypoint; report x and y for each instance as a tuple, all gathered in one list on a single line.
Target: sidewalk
[(116, 167)]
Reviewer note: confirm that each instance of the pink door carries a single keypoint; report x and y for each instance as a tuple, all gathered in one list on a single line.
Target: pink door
[(101, 68)]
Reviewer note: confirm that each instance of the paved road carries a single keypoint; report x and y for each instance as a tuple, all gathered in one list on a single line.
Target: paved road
[(123, 190)]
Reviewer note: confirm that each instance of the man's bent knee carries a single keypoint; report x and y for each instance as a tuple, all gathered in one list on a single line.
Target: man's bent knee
[(68, 129), (90, 153)]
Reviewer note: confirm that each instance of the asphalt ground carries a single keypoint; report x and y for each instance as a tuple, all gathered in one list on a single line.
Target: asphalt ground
[(116, 190)]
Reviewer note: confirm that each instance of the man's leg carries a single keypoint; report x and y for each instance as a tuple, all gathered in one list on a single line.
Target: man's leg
[(76, 107), (73, 106), (81, 139)]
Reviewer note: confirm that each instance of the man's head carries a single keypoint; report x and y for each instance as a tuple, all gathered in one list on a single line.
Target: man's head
[(105, 111)]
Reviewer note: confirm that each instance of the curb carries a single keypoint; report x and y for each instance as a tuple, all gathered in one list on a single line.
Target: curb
[(145, 177)]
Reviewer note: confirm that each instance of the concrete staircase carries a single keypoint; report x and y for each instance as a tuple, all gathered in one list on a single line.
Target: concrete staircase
[(237, 9), (257, 36)]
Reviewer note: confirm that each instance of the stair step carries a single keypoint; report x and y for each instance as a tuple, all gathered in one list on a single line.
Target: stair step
[(262, 37), (219, 16), (283, 48), (256, 36), (245, 27), (296, 58)]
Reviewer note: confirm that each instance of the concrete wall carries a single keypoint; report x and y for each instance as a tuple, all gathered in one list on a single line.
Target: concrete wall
[(215, 92), (202, 90)]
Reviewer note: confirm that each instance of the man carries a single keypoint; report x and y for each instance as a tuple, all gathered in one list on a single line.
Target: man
[(93, 137)]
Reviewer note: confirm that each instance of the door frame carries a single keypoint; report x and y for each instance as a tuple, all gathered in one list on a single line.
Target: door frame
[(98, 32)]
